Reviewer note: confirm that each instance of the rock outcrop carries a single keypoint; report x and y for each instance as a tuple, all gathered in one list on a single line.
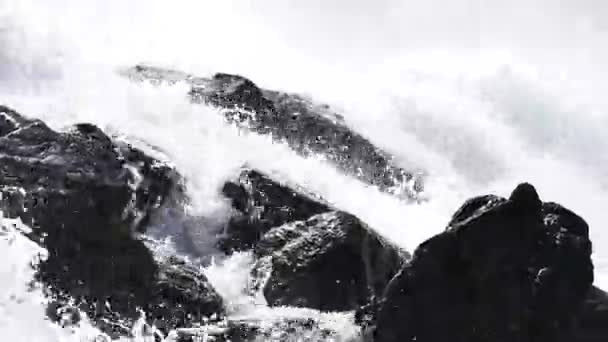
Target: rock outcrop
[(85, 197), (512, 269), (261, 204), (330, 262), (308, 253), (306, 127), (504, 270)]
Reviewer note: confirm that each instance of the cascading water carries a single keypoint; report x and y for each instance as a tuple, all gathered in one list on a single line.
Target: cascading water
[(480, 95)]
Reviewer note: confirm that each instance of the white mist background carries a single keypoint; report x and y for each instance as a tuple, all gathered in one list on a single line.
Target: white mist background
[(480, 94)]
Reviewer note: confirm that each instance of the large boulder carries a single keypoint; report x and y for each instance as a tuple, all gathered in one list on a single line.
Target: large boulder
[(330, 262), (512, 269), (85, 197), (262, 203), (179, 296), (308, 253), (308, 128)]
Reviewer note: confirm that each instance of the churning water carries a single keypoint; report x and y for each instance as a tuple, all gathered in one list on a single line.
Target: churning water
[(481, 95)]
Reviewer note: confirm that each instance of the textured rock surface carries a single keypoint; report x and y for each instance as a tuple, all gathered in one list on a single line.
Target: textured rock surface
[(504, 270), (309, 254), (306, 127), (512, 269), (84, 196), (262, 204), (251, 330), (330, 262), (182, 296)]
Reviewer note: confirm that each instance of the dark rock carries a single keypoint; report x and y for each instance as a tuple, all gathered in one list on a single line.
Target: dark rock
[(85, 197), (330, 262), (303, 246), (262, 204), (592, 324), (251, 330), (504, 270), (306, 127), (182, 296)]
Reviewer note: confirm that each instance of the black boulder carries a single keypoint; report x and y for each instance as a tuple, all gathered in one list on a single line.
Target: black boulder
[(86, 197), (330, 262), (504, 270)]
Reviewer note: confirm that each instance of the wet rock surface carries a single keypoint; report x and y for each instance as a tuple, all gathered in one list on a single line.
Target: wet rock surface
[(330, 262), (512, 269), (252, 330), (262, 203), (515, 269), (309, 254), (308, 128), (85, 197)]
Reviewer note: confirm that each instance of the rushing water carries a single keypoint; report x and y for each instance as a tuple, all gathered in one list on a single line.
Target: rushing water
[(480, 94)]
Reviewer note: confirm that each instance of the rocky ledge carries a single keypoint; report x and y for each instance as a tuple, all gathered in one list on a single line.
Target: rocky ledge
[(515, 269), (306, 127), (86, 197), (308, 253)]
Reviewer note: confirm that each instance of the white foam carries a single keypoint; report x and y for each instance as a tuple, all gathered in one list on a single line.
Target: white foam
[(22, 303), (481, 95)]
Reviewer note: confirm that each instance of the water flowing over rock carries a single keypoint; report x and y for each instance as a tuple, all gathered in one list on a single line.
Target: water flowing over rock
[(512, 269), (515, 269), (306, 127), (85, 197), (309, 254)]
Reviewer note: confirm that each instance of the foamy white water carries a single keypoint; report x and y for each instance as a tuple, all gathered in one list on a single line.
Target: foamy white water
[(480, 94)]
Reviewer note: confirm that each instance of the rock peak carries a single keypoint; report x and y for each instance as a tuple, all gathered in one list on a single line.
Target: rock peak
[(525, 196)]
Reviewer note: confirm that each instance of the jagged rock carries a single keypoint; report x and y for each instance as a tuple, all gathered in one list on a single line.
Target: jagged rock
[(306, 127), (330, 262), (84, 196), (504, 270), (262, 204)]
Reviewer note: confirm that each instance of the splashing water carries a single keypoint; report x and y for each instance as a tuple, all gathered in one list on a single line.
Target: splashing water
[(482, 95)]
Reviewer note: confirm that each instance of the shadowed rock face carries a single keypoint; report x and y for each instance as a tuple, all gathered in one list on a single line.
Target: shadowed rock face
[(330, 262), (261, 204), (84, 196), (591, 325), (308, 253), (513, 269), (306, 127), (504, 270)]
